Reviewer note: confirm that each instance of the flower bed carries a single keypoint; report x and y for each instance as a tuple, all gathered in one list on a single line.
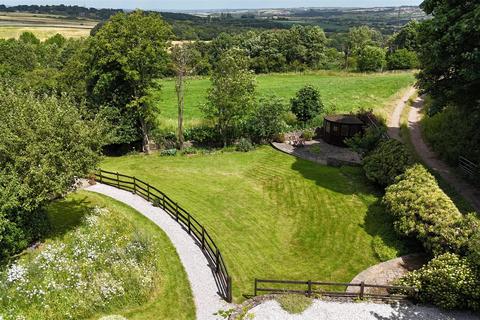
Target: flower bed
[(102, 265)]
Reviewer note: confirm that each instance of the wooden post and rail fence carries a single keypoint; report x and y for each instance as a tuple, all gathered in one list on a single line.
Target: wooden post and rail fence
[(312, 288), (184, 218), (215, 258)]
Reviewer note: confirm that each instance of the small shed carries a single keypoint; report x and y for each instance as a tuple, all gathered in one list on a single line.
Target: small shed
[(336, 128)]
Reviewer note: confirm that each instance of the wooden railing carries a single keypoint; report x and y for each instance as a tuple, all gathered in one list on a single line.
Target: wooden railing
[(310, 288), (184, 218)]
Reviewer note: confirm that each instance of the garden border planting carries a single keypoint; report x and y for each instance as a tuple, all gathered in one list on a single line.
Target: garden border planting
[(184, 218)]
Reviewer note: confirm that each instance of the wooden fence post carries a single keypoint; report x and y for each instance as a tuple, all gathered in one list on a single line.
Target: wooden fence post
[(255, 288), (100, 175), (203, 238), (362, 289), (229, 289), (176, 211), (189, 225), (163, 200), (148, 192), (309, 290), (217, 258), (118, 181), (134, 185)]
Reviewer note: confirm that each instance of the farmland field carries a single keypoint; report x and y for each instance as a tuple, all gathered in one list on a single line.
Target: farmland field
[(272, 215), (343, 91), (12, 25)]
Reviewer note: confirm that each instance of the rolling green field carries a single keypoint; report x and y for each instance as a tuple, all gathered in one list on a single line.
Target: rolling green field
[(173, 298), (273, 215), (343, 91)]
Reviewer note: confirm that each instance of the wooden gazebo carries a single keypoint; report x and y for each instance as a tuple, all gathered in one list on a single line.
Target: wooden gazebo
[(336, 128)]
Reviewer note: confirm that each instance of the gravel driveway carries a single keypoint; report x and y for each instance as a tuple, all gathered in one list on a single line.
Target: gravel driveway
[(322, 310)]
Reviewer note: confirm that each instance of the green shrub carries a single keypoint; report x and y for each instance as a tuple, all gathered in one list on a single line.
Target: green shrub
[(267, 120), (368, 141), (386, 162), (402, 59), (20, 229), (453, 133), (205, 135), (422, 210), (244, 145), (371, 58), (308, 134), (168, 152), (447, 281), (101, 265), (280, 138), (307, 104), (189, 151)]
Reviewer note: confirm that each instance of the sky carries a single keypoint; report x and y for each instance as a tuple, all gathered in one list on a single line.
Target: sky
[(216, 4)]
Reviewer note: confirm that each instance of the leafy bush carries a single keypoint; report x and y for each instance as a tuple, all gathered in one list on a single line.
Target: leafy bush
[(281, 138), (267, 120), (453, 133), (307, 104), (422, 210), (383, 251), (189, 151), (168, 152), (386, 162), (244, 145), (368, 141), (205, 135), (402, 59), (371, 58), (101, 265), (447, 281), (308, 134)]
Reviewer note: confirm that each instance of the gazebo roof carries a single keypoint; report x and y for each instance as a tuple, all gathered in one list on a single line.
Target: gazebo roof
[(344, 119)]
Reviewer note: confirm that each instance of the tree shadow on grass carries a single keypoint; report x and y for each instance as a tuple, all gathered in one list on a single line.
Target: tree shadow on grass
[(379, 224), (65, 215), (345, 180)]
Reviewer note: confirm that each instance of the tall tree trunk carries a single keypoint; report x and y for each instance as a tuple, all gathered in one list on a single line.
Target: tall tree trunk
[(146, 138), (180, 89)]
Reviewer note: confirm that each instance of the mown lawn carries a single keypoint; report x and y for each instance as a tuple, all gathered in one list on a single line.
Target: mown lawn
[(272, 215), (344, 91), (172, 298)]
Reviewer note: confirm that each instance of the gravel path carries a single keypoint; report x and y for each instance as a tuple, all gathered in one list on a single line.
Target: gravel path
[(322, 310), (394, 120), (202, 282), (470, 193)]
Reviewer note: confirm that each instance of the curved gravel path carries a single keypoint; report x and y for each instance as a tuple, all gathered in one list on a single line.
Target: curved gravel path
[(394, 119), (323, 310), (470, 193), (200, 276)]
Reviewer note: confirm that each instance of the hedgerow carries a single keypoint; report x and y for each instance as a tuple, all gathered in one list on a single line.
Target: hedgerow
[(422, 210), (386, 162), (448, 281)]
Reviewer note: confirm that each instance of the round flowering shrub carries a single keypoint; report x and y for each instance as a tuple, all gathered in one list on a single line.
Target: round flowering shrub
[(386, 162), (421, 210), (103, 265), (447, 281)]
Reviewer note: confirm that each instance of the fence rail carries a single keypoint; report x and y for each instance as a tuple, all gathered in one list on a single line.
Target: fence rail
[(310, 288), (468, 167), (184, 218)]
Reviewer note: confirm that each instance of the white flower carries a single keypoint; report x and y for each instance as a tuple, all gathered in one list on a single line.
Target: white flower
[(16, 273)]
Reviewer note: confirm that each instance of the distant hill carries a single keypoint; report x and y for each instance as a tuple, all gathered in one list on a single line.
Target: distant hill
[(205, 25)]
